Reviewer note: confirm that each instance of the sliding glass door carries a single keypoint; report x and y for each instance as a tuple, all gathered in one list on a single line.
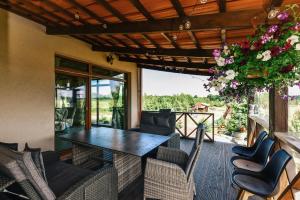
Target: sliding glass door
[(70, 106), (108, 103)]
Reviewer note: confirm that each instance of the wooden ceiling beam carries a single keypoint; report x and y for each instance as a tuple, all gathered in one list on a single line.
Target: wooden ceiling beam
[(156, 51), (168, 63), (178, 8), (222, 5), (112, 10), (227, 20), (142, 9), (183, 71)]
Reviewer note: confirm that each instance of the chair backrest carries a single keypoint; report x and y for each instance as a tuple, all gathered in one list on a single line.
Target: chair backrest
[(163, 123), (199, 134), (262, 135), (275, 167), (194, 155), (263, 151)]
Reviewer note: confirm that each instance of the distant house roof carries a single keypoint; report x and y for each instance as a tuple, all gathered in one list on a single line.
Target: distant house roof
[(200, 105)]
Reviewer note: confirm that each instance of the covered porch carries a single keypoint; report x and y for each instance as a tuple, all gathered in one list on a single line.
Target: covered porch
[(75, 67)]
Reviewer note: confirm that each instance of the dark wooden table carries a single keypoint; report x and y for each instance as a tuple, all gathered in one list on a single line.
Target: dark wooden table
[(128, 148)]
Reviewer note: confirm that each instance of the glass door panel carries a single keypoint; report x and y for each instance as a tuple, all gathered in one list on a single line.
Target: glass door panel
[(70, 106), (108, 103)]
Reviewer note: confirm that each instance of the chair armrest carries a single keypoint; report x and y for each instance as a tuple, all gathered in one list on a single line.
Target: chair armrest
[(175, 156), (174, 141), (50, 157), (134, 129), (164, 173), (102, 183)]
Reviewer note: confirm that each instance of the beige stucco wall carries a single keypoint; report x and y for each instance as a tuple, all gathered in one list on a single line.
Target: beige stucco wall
[(27, 79)]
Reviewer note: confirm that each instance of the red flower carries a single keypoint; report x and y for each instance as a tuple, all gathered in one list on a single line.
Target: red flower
[(275, 51), (287, 69), (257, 45), (287, 46), (245, 44)]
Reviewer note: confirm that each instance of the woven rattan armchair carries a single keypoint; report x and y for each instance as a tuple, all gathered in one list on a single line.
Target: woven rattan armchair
[(170, 176), (68, 182)]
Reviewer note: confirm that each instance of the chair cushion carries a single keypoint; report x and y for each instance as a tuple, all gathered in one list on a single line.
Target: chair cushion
[(253, 185), (162, 121), (13, 146), (61, 176), (148, 120), (37, 158), (247, 165), (21, 167)]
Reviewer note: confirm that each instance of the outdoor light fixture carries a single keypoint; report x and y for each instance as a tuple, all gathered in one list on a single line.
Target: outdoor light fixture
[(203, 1), (181, 27), (76, 15), (273, 13), (174, 37), (187, 24), (104, 26)]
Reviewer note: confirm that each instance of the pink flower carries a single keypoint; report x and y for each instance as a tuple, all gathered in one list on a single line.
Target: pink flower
[(284, 16), (216, 53), (273, 29), (234, 84), (211, 70)]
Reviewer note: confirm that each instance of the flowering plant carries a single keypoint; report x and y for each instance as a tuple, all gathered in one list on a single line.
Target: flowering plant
[(270, 58)]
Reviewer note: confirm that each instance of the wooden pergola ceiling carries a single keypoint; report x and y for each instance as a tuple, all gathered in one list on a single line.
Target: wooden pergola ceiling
[(148, 32)]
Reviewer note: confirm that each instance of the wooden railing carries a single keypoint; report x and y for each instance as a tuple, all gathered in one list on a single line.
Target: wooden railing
[(187, 122)]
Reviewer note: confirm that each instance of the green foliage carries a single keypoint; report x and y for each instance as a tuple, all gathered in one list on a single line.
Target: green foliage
[(296, 122), (180, 103), (238, 118)]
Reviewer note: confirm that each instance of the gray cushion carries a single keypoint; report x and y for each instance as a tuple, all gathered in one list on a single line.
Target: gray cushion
[(164, 123), (21, 167), (13, 146), (61, 176), (148, 120), (37, 158)]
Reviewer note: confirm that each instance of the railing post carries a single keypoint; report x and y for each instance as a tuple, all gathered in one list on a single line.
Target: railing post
[(213, 127), (185, 124)]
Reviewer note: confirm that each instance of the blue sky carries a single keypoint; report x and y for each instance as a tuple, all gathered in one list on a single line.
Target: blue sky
[(166, 83)]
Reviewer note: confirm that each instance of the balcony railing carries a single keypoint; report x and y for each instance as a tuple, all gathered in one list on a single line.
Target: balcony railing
[(187, 122)]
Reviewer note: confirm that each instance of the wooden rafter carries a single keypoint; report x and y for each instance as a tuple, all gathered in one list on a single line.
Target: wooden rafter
[(86, 10), (112, 10), (142, 9), (194, 39), (222, 5), (156, 51), (226, 20), (168, 63), (178, 8), (151, 40), (180, 71), (170, 39)]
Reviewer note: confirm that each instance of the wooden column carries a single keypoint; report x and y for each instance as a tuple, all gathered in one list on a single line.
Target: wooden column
[(278, 112)]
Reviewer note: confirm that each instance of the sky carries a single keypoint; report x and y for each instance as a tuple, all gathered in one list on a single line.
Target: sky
[(167, 83)]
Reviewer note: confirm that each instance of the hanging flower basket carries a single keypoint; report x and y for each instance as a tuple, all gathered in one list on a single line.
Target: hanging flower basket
[(269, 58)]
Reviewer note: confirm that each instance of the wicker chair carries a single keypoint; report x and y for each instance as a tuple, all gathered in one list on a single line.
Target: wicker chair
[(170, 176), (161, 123), (68, 182)]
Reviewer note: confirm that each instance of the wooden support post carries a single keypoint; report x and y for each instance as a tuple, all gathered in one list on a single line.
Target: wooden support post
[(278, 112)]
